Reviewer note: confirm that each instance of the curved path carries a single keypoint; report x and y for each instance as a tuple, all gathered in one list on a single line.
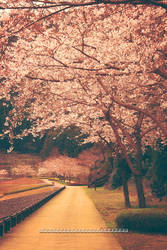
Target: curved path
[(70, 209)]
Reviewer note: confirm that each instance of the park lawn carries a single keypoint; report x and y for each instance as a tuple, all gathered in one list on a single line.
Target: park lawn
[(7, 189), (29, 192), (19, 184), (110, 202)]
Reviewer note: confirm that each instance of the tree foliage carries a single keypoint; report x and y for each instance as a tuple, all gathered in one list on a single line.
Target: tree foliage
[(99, 65), (159, 172), (117, 176), (70, 141)]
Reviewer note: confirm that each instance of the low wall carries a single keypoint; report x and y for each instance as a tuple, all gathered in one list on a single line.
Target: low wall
[(12, 219)]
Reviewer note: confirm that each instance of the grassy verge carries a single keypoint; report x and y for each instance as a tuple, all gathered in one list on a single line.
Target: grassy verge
[(58, 180), (111, 202), (13, 189), (62, 182), (107, 202)]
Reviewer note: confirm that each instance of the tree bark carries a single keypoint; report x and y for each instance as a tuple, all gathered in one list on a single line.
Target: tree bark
[(125, 189), (139, 178), (140, 191), (137, 148)]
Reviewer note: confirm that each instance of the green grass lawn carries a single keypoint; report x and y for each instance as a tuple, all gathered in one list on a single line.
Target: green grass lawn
[(111, 202)]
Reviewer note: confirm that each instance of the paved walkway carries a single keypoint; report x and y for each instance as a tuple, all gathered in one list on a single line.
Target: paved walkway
[(70, 209)]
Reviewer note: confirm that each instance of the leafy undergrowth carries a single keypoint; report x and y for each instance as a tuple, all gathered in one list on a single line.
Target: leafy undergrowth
[(111, 202)]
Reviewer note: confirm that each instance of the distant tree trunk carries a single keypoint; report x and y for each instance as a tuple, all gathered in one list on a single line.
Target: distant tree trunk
[(95, 182), (125, 188), (89, 180)]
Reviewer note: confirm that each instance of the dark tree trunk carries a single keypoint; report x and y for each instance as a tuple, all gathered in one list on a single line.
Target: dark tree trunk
[(139, 178), (125, 189), (140, 191), (136, 171)]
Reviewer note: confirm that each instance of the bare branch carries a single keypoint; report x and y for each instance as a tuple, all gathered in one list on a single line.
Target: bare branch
[(139, 121), (134, 107), (42, 18), (149, 130), (47, 80), (161, 3), (91, 57)]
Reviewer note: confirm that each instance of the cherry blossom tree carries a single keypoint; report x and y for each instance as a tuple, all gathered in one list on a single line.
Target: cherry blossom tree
[(99, 65)]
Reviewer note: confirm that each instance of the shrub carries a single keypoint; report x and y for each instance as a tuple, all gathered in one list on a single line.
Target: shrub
[(146, 220), (158, 189)]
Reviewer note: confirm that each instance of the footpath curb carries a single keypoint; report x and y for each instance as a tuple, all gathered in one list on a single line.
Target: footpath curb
[(6, 223)]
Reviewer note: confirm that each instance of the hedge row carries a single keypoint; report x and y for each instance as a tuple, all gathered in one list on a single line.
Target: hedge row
[(146, 220)]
